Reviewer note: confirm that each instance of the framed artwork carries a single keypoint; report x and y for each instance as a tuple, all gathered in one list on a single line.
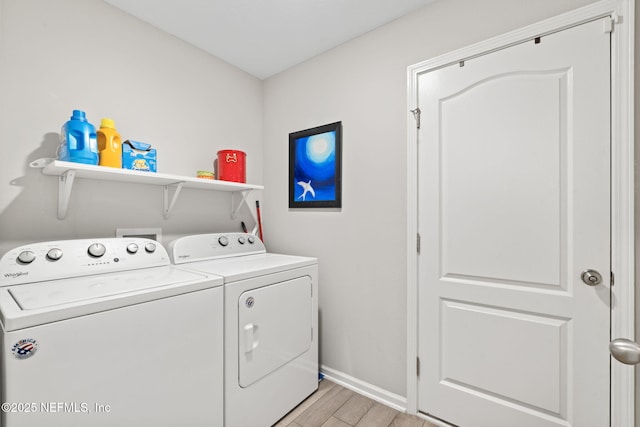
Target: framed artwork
[(315, 167)]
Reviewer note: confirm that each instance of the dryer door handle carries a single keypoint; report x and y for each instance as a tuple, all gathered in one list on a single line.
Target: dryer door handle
[(250, 331)]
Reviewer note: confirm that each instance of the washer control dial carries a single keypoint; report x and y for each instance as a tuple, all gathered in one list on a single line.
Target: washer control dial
[(54, 254), (241, 240), (251, 239), (96, 250), (150, 247), (26, 257), (223, 240), (132, 248)]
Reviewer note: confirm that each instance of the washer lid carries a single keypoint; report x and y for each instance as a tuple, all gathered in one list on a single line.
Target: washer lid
[(38, 303), (47, 294)]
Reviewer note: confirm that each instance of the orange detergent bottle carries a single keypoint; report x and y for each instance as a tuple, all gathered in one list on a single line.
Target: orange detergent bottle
[(109, 144)]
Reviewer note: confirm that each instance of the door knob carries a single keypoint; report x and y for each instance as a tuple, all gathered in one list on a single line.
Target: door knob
[(591, 277), (625, 351)]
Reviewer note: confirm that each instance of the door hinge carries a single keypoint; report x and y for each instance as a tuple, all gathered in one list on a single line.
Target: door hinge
[(609, 24), (418, 242), (417, 366), (416, 115)]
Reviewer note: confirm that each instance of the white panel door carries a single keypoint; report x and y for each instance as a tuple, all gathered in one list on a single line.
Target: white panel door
[(514, 204)]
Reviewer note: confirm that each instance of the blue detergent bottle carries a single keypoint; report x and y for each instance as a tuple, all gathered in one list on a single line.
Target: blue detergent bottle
[(78, 141)]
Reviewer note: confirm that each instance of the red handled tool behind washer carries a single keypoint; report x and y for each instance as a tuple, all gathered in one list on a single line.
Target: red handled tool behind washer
[(259, 220)]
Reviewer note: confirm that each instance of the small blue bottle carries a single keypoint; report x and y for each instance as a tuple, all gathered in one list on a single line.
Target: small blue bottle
[(78, 141)]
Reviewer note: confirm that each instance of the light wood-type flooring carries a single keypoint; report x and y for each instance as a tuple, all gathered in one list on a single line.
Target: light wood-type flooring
[(335, 406)]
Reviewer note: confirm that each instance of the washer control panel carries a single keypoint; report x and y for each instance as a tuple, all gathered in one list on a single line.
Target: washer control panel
[(38, 262), (202, 247)]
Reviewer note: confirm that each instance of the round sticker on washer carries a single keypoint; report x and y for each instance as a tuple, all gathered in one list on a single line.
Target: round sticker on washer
[(25, 348)]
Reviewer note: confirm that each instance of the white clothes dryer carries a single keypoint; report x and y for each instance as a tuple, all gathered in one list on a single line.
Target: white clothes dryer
[(271, 323), (106, 333)]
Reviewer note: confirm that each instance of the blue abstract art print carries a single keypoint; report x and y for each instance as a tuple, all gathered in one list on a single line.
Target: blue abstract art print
[(315, 167)]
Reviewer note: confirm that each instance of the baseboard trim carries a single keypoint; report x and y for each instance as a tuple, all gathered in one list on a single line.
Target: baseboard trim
[(371, 391)]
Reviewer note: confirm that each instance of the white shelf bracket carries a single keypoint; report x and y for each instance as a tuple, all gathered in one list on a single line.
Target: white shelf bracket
[(235, 209), (65, 184), (168, 206)]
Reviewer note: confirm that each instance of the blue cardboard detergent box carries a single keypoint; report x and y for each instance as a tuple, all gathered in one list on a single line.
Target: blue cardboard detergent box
[(138, 156)]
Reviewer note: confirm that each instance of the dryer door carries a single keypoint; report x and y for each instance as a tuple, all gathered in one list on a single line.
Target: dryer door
[(274, 327)]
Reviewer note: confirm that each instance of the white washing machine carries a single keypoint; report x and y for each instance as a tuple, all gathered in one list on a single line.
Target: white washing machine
[(106, 332), (271, 323)]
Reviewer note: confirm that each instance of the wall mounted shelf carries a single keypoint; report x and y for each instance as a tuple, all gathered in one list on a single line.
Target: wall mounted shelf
[(68, 172)]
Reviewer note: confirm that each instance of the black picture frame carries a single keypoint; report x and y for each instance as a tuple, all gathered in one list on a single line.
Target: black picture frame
[(315, 167)]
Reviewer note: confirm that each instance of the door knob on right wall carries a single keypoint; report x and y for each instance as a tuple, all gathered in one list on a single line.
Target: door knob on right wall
[(625, 351)]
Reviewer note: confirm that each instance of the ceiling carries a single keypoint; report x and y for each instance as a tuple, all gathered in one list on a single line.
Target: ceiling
[(264, 37)]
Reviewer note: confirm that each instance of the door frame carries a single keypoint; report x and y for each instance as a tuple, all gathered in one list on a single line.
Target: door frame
[(622, 184)]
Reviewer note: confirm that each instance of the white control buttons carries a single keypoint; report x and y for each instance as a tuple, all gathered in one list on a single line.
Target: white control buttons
[(241, 240), (150, 247), (26, 257), (96, 250), (251, 239), (54, 254), (132, 248), (223, 240)]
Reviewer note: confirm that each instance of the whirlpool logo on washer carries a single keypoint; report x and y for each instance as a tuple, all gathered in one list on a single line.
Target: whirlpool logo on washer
[(25, 348), (16, 275)]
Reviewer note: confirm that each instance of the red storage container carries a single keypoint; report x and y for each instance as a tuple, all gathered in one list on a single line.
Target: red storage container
[(231, 165)]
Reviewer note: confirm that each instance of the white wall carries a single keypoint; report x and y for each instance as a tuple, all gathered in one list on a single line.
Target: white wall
[(56, 56), (362, 247)]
